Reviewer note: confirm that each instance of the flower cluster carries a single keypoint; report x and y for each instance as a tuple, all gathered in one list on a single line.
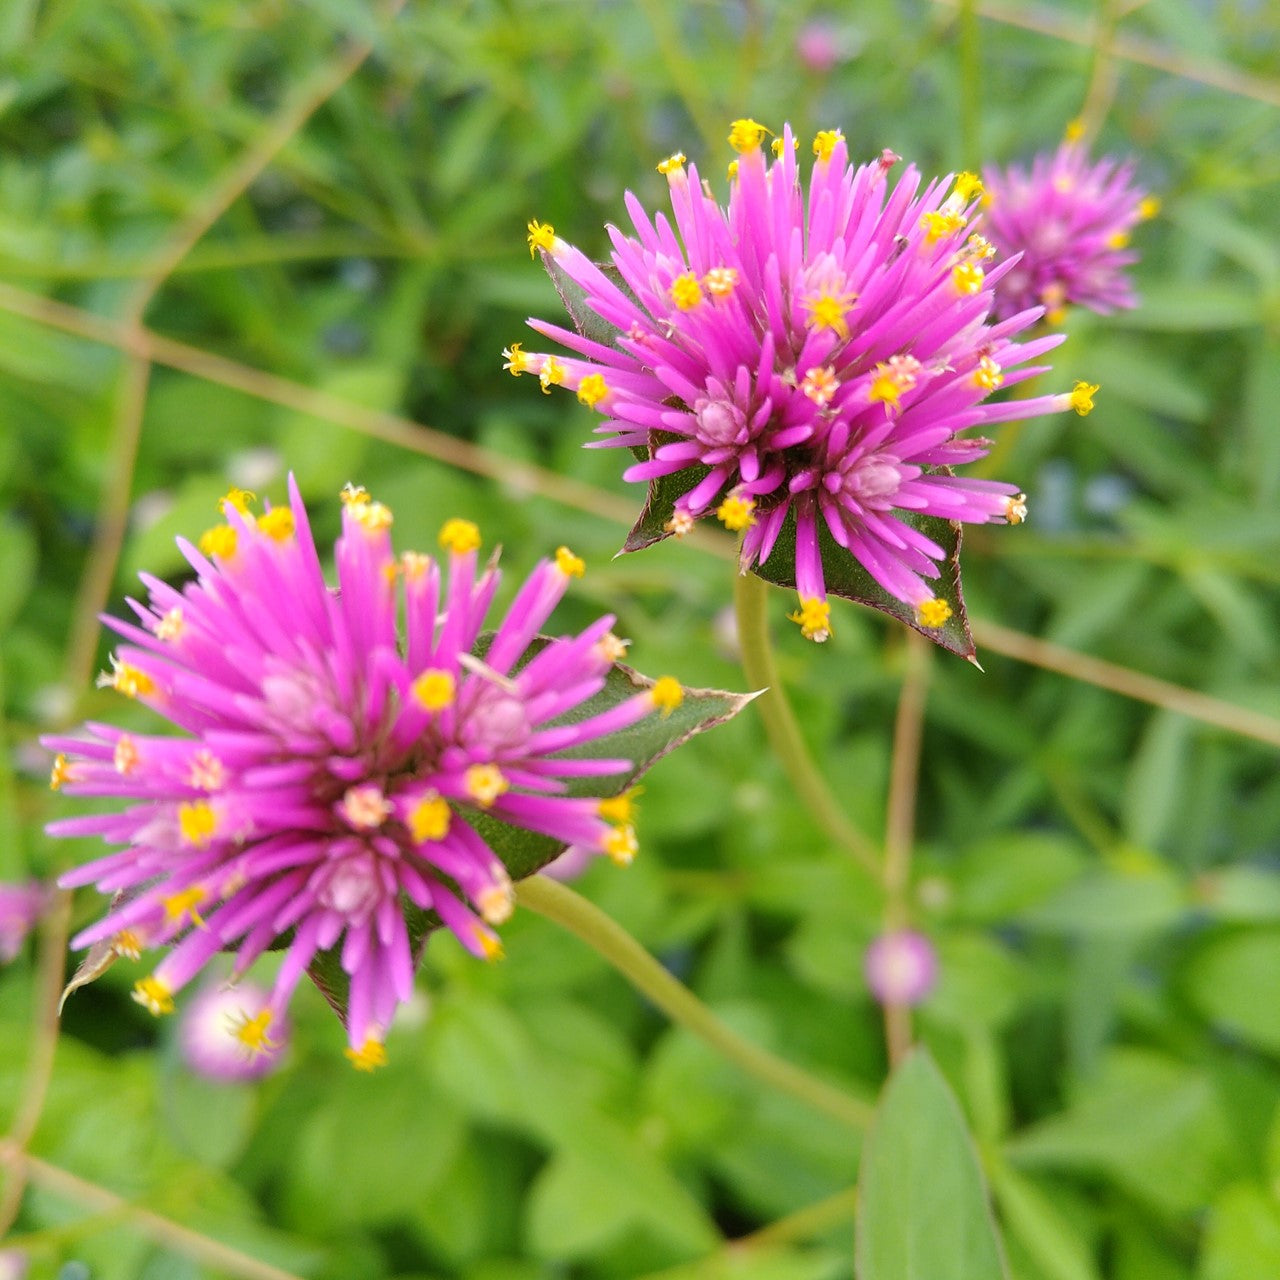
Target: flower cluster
[(210, 1040), (329, 772), (21, 905), (1070, 220), (816, 358)]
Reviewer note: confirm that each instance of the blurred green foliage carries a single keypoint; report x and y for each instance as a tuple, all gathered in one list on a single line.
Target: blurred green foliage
[(1102, 879)]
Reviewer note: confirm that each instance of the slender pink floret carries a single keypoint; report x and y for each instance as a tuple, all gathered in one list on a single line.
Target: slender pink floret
[(21, 905), (1070, 219), (327, 768), (901, 967), (820, 357)]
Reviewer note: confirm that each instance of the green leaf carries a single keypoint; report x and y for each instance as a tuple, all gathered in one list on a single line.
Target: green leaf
[(922, 1206), (1242, 1241), (1230, 981), (574, 298), (1031, 1217)]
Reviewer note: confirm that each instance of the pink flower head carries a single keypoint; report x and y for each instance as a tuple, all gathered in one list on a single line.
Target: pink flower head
[(819, 358), (1069, 219), (328, 770), (21, 905), (212, 1037), (901, 967)]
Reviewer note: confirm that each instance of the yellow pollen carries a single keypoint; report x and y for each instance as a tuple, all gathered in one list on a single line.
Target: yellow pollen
[(988, 375), (933, 613), (517, 360), (592, 389), (484, 783), (435, 689), (666, 694), (125, 757), (967, 277), (825, 143), (820, 385), (127, 943), (372, 517), (619, 808), (197, 821), (219, 541), (941, 223), (1074, 130), (207, 772), (814, 618), (1118, 240), (1015, 509), (429, 819), (1082, 397), (365, 807), (369, 1056), (1148, 207), (980, 247), (489, 944), (127, 679), (497, 901), (570, 565), (720, 282), (889, 384), (239, 499), (552, 374), (353, 493), (611, 648), (686, 292), (746, 135), (169, 625), (732, 171), (460, 536), (776, 147), (414, 565), (277, 524), (542, 235), (253, 1032), (736, 513), (61, 772), (679, 524), (621, 845), (828, 311), (153, 995), (674, 163), (178, 905), (968, 186)]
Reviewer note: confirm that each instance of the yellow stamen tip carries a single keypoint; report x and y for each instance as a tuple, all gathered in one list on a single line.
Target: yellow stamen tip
[(592, 389), (621, 845), (277, 524), (968, 186), (542, 235), (484, 783), (736, 513), (667, 695), (253, 1033), (1015, 510), (239, 499), (353, 493), (60, 773), (746, 135), (197, 821), (825, 143), (674, 163), (552, 374), (460, 536), (813, 618), (153, 995), (1074, 130), (967, 277), (933, 613), (570, 565), (620, 808), (429, 819), (435, 689), (369, 1056), (686, 291), (1149, 207), (516, 359), (1082, 397)]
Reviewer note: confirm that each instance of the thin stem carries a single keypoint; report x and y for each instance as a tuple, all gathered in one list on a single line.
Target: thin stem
[(616, 946), (1104, 78), (908, 734), (750, 598), (164, 1231), (970, 85)]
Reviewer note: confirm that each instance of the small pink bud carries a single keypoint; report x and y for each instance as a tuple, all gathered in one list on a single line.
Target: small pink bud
[(901, 967)]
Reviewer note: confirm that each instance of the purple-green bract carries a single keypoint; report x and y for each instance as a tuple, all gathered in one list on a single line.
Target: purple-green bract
[(329, 772), (819, 356)]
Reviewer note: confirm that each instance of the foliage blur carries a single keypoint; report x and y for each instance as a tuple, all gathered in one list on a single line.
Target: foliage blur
[(1101, 878)]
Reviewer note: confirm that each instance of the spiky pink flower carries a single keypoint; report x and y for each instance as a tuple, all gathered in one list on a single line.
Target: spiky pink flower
[(814, 358), (901, 967), (21, 905), (1070, 219), (326, 769), (211, 1034)]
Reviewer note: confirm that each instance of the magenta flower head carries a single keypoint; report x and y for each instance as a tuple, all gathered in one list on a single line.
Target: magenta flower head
[(1068, 219), (21, 905), (328, 774), (807, 368), (210, 1034), (901, 967)]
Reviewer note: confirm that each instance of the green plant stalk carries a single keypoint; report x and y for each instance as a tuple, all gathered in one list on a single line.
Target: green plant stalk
[(750, 596), (615, 945), (970, 85)]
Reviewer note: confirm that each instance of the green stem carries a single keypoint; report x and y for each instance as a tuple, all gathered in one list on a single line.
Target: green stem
[(970, 84), (750, 595), (615, 945)]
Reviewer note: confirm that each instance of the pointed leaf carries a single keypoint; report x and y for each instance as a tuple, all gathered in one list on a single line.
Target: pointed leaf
[(922, 1206), (660, 502), (574, 297)]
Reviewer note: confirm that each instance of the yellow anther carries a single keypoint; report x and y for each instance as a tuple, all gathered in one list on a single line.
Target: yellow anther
[(153, 995), (277, 524), (1054, 297), (988, 375), (619, 808), (979, 247), (967, 277), (497, 900), (610, 648), (679, 524), (674, 163), (968, 186), (939, 223), (1148, 207), (1118, 240), (666, 694), (893, 377), (570, 565), (61, 772), (197, 822), (365, 807), (686, 292), (127, 679), (1015, 509), (621, 845), (170, 624), (542, 235), (414, 565), (1074, 130), (435, 689), (484, 783), (776, 147), (720, 282), (369, 1056), (828, 311), (592, 389), (353, 493), (746, 135), (814, 618), (825, 143), (460, 536), (1082, 397), (820, 385), (736, 513), (219, 541), (372, 517), (933, 613), (238, 499), (207, 772), (732, 170), (488, 943), (552, 374), (127, 943), (253, 1032), (517, 360), (125, 757), (429, 819)]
